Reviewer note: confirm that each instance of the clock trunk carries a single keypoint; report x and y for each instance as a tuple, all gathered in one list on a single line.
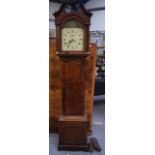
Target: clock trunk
[(73, 89)]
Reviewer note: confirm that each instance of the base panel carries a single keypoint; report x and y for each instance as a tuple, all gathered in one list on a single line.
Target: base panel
[(73, 133)]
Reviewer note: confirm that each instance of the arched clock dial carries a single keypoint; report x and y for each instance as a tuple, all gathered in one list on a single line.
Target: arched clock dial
[(72, 39)]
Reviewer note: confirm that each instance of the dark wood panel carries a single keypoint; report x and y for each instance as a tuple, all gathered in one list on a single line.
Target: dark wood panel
[(73, 89), (73, 133)]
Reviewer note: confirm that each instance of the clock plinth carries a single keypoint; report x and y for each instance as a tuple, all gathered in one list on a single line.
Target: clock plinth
[(73, 133), (72, 47)]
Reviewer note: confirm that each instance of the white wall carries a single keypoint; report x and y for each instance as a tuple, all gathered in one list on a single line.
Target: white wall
[(95, 4), (53, 7), (98, 17), (97, 20)]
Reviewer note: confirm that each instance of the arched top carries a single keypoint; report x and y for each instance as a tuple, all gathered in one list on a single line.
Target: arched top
[(71, 23)]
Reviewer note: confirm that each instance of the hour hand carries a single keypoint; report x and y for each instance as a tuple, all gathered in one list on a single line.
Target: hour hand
[(70, 41)]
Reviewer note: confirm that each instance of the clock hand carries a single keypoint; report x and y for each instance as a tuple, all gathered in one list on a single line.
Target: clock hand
[(70, 41)]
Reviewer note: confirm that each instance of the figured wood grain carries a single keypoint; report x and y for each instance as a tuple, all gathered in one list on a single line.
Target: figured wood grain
[(55, 85), (90, 70)]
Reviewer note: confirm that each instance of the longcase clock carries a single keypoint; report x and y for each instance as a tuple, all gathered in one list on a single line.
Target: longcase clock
[(72, 27)]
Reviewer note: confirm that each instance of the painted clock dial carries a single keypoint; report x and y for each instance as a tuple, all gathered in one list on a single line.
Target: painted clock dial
[(72, 39), (72, 36)]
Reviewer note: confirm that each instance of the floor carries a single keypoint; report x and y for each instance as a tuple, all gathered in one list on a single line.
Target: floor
[(98, 131)]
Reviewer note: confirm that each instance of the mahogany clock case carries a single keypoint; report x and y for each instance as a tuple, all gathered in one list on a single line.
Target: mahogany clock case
[(73, 122)]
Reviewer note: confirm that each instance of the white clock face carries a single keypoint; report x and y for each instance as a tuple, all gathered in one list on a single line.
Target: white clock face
[(72, 39)]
